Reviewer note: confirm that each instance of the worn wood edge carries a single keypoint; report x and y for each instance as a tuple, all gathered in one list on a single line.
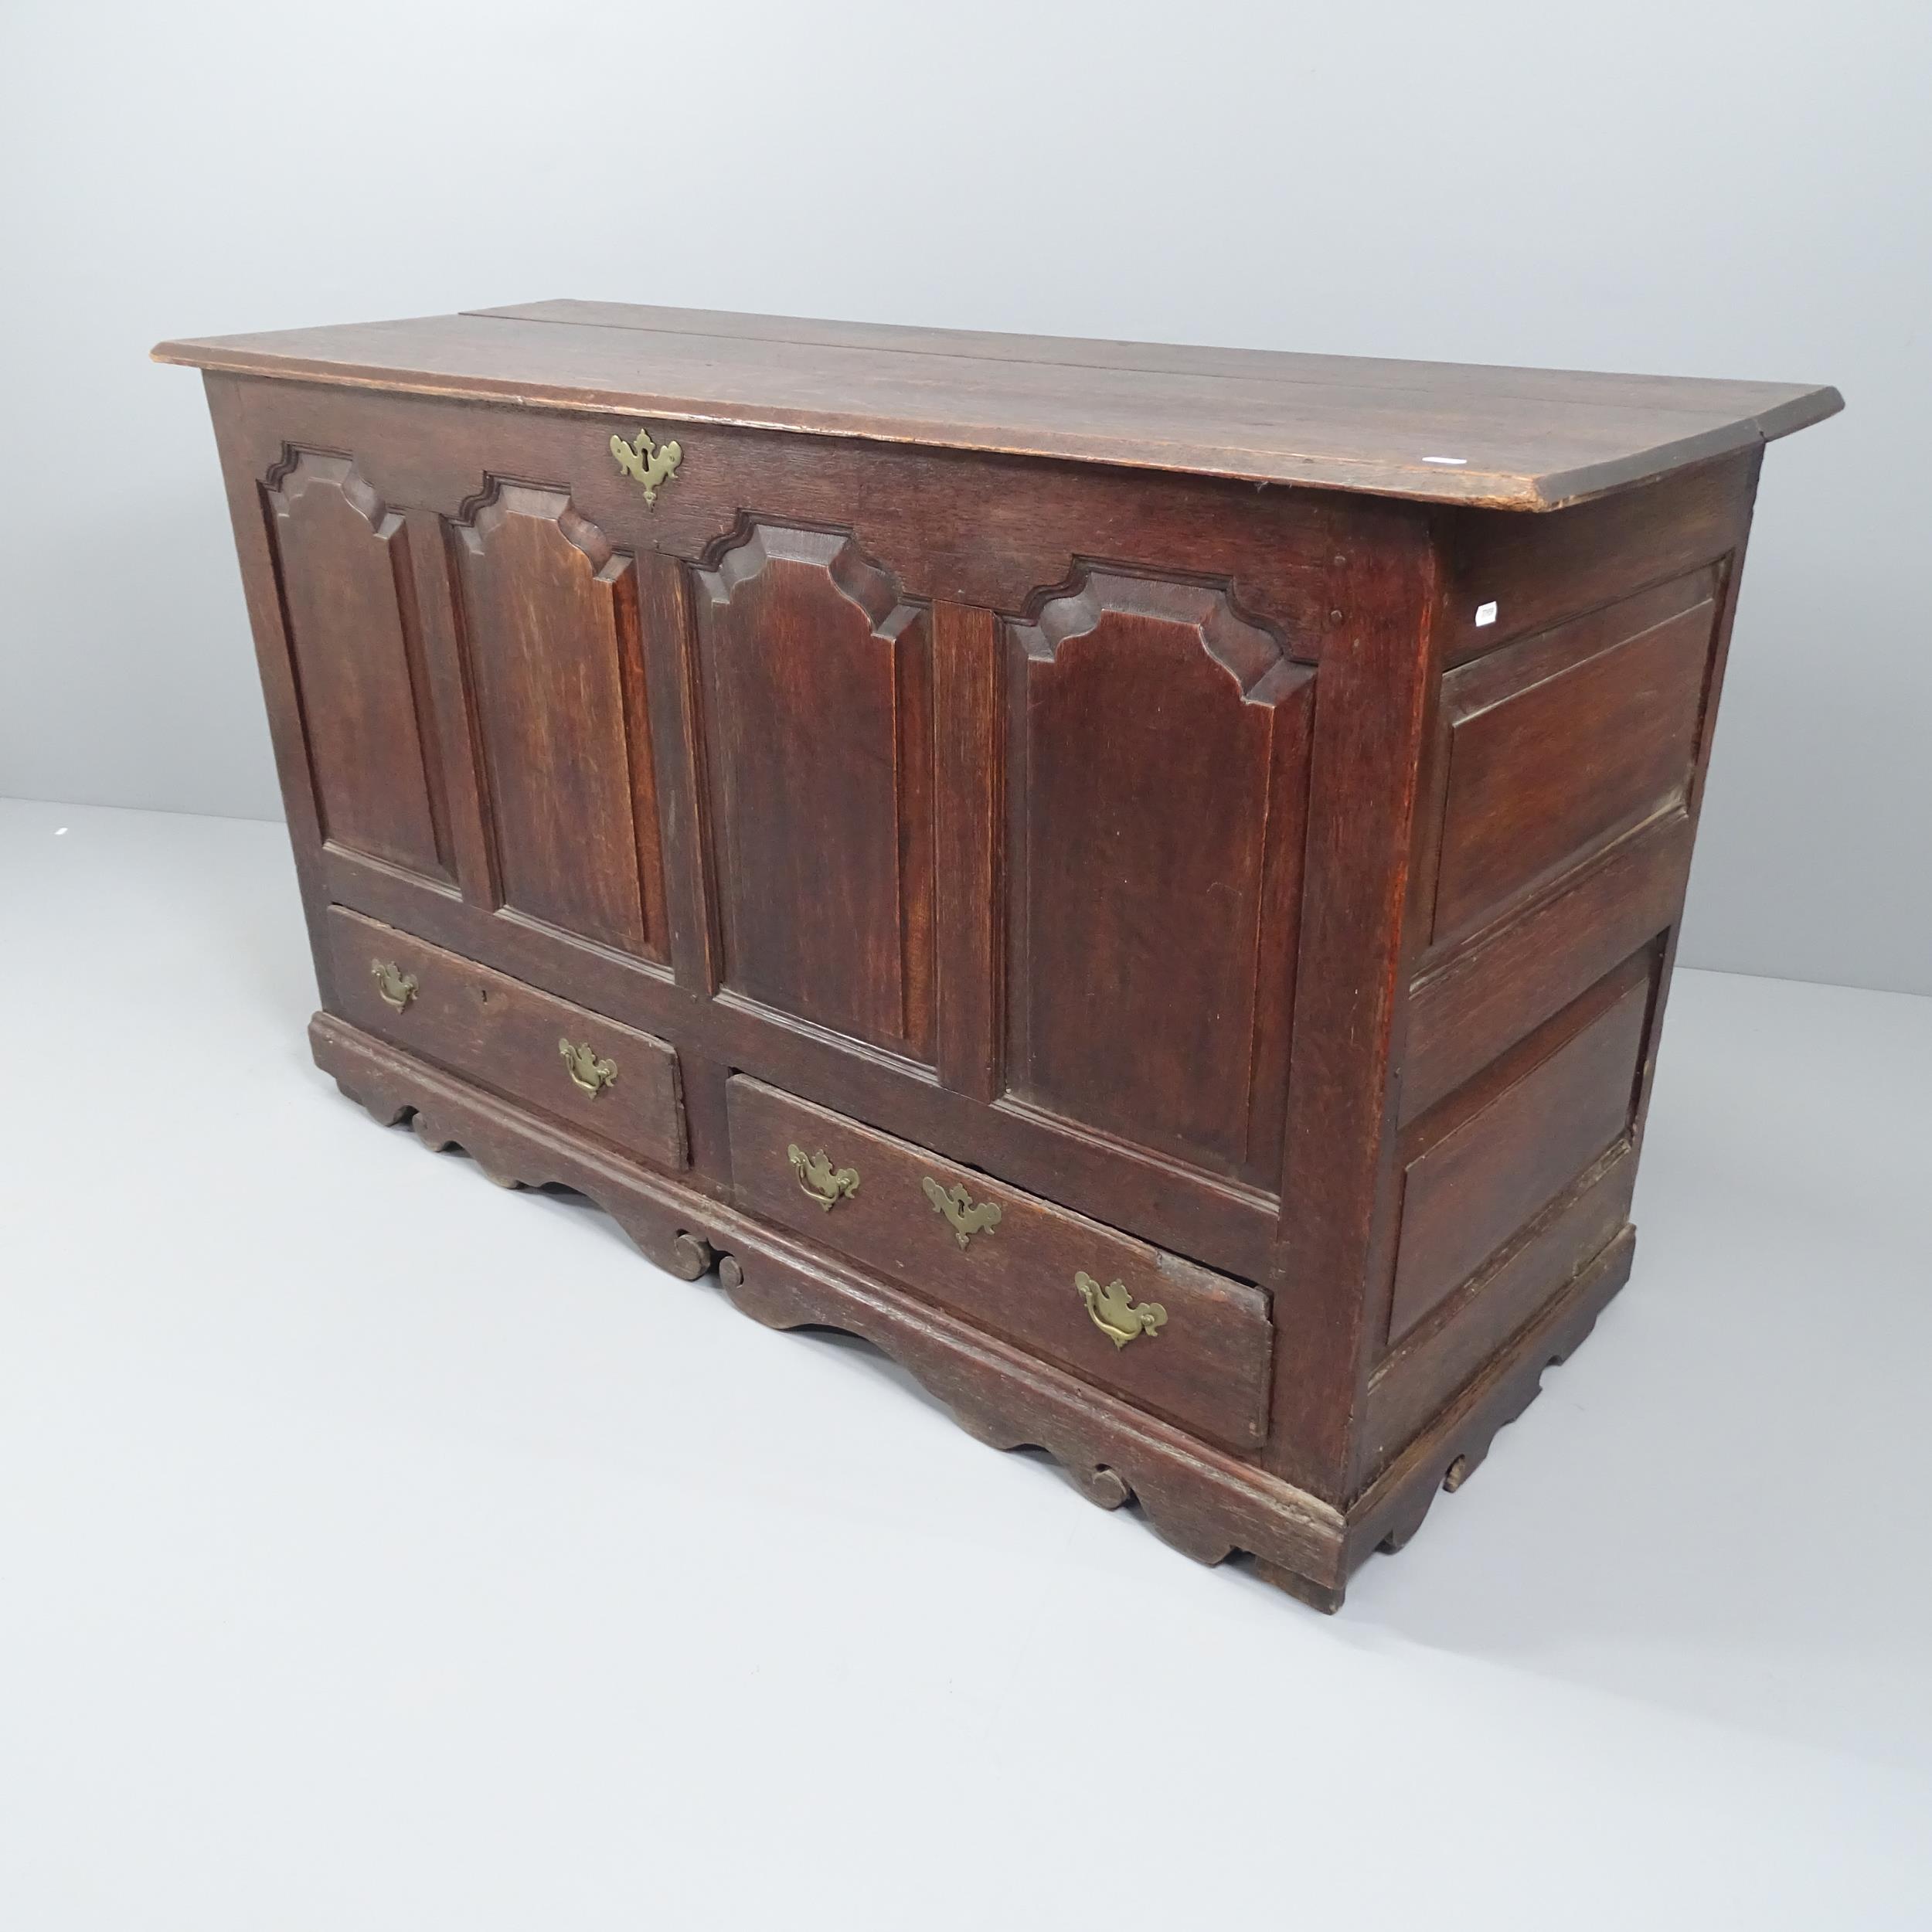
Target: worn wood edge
[(1207, 1506), (1391, 1510), (1561, 489), (1799, 412), (1472, 488)]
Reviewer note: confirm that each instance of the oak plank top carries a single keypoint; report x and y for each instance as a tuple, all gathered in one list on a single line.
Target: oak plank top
[(1521, 439)]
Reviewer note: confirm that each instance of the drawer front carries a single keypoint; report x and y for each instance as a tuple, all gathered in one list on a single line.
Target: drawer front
[(1061, 1287), (576, 1065)]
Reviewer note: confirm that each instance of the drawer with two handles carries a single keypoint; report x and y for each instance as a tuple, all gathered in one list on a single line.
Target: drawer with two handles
[(1167, 1335)]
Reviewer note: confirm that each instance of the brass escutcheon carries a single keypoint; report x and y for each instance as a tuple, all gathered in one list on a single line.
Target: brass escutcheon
[(586, 1070), (828, 1185), (644, 462), (957, 1205), (1116, 1314), (396, 987)]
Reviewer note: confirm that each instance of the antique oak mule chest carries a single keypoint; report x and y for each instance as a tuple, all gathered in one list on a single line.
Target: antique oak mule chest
[(1142, 880)]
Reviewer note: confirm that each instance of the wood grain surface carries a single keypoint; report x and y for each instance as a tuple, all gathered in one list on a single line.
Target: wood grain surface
[(1513, 438)]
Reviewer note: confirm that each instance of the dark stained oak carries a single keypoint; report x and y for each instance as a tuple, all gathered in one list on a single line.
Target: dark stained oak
[(348, 594), (989, 532), (1512, 1151), (1265, 898), (817, 734), (1462, 1016), (509, 1036), (1153, 901), (969, 779), (1205, 1366), (1536, 573), (548, 616), (1228, 1228)]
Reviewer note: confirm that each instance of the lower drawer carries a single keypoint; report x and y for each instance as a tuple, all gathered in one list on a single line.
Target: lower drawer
[(1167, 1335), (576, 1065)]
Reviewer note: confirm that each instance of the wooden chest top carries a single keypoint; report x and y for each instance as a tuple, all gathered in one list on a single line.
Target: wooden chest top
[(1504, 438)]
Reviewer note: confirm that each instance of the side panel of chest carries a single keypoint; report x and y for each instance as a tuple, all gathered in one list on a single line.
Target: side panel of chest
[(1561, 784)]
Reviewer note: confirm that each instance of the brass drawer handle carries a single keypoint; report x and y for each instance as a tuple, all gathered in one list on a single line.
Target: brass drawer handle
[(592, 1074), (957, 1205), (1115, 1313), (396, 987), (828, 1185), (644, 462)]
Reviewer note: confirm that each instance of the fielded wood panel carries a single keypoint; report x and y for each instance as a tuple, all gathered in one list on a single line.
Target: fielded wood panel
[(354, 636), (1559, 743), (1467, 1190), (818, 743), (1157, 768), (1483, 998), (552, 648)]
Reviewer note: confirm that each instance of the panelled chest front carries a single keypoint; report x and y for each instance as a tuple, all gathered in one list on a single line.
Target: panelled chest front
[(992, 844)]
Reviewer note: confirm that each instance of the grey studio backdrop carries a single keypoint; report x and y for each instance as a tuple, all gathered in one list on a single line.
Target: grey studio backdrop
[(1688, 188)]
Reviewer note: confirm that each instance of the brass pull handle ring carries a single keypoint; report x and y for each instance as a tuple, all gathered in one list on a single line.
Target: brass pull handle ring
[(825, 1184), (591, 1074), (1116, 1314), (396, 987)]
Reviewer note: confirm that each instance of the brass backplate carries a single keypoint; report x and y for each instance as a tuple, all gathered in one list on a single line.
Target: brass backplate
[(965, 1218), (645, 462)]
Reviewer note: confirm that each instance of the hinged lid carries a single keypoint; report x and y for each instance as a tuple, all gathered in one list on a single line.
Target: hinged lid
[(1509, 438)]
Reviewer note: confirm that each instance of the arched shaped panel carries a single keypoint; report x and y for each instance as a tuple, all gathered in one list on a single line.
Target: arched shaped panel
[(354, 636), (817, 695), (556, 674), (1157, 779)]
